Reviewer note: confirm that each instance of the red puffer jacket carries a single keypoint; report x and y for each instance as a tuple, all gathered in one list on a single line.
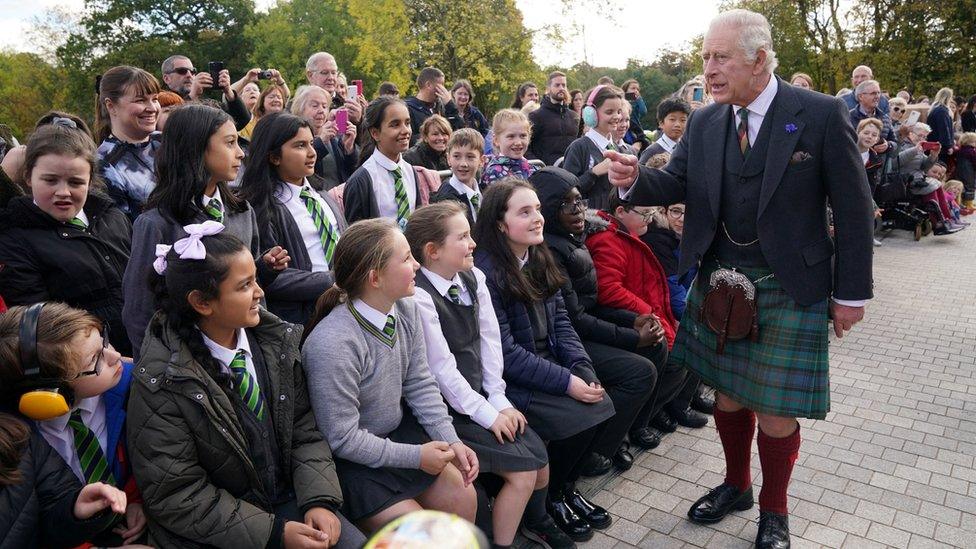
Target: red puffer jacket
[(628, 275)]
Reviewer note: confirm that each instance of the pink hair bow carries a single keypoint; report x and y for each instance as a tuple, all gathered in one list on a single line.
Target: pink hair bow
[(189, 247)]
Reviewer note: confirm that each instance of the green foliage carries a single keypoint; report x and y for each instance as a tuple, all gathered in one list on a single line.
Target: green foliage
[(29, 86)]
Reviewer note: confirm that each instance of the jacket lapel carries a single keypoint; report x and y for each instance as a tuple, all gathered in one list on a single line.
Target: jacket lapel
[(782, 141), (714, 143)]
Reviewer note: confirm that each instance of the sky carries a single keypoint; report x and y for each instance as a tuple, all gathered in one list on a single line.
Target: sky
[(640, 31)]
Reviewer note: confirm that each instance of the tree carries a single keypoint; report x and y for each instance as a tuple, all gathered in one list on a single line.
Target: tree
[(29, 87)]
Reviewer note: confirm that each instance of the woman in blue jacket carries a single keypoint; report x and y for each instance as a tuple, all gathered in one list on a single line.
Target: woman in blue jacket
[(549, 376)]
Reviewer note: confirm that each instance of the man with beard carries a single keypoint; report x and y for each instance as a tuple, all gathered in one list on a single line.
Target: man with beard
[(555, 125)]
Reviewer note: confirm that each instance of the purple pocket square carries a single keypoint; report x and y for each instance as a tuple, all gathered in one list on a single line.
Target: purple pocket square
[(800, 156)]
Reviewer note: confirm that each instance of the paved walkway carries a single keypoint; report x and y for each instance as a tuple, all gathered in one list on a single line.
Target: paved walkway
[(893, 463)]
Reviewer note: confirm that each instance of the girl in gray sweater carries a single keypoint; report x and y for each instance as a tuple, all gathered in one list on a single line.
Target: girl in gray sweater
[(374, 398)]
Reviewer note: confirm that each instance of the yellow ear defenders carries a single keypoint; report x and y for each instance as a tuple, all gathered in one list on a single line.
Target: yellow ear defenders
[(40, 398)]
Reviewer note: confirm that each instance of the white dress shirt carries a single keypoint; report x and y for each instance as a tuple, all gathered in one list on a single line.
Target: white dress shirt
[(666, 143), (205, 201), (374, 317), (467, 191), (456, 390), (61, 436), (757, 109), (379, 167), (289, 195), (224, 355)]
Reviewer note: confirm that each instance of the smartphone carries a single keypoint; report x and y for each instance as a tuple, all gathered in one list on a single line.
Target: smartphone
[(214, 67), (630, 96), (359, 86), (913, 118), (929, 145), (698, 94), (351, 92), (342, 120)]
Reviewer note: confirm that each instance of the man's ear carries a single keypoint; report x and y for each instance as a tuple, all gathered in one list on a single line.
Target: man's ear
[(760, 65), (200, 304)]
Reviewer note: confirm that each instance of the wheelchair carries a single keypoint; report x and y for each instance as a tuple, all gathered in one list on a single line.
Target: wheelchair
[(902, 210)]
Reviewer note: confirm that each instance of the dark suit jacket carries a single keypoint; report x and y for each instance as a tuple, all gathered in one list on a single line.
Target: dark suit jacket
[(792, 218)]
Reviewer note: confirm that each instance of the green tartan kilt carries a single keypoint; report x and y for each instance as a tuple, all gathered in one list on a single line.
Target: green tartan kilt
[(785, 373)]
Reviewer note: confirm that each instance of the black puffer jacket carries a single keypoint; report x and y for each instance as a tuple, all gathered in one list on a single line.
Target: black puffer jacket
[(39, 510), (554, 127), (42, 259), (593, 322)]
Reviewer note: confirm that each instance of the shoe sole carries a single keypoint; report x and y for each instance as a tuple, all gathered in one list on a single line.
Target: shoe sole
[(600, 526), (739, 506)]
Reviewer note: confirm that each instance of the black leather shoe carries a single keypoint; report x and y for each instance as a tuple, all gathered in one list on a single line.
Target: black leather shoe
[(720, 501), (568, 521), (663, 422), (690, 418), (596, 465), (596, 516), (774, 531), (622, 460), (547, 534), (703, 404), (645, 438)]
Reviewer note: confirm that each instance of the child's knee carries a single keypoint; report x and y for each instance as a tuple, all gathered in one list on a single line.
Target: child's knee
[(542, 478), (523, 481)]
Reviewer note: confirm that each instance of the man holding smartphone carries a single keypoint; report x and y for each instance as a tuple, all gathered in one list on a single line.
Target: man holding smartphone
[(322, 70), (180, 77), (432, 98)]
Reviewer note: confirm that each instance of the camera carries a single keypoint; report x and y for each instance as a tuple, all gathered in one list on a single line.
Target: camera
[(264, 75)]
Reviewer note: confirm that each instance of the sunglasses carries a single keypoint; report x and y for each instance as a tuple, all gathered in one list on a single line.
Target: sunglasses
[(183, 71), (95, 367), (578, 205)]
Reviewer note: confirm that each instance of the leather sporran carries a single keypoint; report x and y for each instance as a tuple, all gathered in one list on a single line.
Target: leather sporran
[(729, 308)]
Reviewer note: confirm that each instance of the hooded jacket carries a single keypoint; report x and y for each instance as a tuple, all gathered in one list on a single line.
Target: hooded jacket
[(42, 259), (628, 274), (190, 454), (591, 320), (554, 127)]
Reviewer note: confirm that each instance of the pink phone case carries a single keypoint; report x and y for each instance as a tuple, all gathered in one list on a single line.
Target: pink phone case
[(342, 121)]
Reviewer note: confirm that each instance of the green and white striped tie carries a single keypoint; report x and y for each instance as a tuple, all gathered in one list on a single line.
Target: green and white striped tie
[(400, 193), (327, 233), (93, 463), (215, 210), (77, 222), (390, 329), (246, 386)]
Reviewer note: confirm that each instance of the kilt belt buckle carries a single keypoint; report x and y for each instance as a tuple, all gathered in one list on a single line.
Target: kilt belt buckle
[(729, 308)]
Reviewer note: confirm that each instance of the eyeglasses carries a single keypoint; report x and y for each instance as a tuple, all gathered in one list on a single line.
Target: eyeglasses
[(578, 205), (95, 367), (645, 216), (676, 213), (183, 71)]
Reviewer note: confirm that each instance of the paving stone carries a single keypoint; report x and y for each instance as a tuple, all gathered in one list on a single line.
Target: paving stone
[(628, 509), (627, 531), (875, 512), (839, 502), (914, 523), (888, 535), (851, 524), (825, 535), (662, 521)]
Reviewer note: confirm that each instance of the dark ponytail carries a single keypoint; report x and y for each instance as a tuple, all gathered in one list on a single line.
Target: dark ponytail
[(373, 118), (183, 276), (14, 436), (365, 246)]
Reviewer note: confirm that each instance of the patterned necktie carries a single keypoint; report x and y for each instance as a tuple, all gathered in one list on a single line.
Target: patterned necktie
[(610, 146), (90, 455), (327, 233), (744, 131), (390, 329), (215, 210), (400, 193), (77, 222), (476, 202), (246, 386), (454, 293)]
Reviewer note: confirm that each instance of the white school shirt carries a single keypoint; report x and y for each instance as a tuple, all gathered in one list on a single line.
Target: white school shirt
[(468, 192), (289, 195), (378, 166), (224, 355), (600, 141), (374, 317), (205, 200), (666, 143), (456, 390), (61, 436)]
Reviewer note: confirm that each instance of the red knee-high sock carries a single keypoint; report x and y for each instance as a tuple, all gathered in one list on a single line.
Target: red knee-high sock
[(736, 430), (776, 457)]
